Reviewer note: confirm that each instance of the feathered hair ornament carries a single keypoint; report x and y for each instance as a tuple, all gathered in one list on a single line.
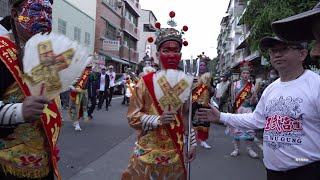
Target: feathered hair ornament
[(166, 34)]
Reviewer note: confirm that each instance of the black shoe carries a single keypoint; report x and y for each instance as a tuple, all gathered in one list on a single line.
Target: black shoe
[(98, 108), (107, 109), (123, 102), (90, 116)]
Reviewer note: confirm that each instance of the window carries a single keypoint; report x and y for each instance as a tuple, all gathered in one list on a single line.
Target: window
[(131, 17), (62, 26), (87, 38), (112, 4), (130, 42), (111, 31), (77, 34)]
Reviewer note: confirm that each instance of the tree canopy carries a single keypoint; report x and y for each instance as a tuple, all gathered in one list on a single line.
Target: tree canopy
[(261, 13)]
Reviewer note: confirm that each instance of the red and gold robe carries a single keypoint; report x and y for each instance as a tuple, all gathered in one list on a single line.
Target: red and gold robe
[(157, 154)]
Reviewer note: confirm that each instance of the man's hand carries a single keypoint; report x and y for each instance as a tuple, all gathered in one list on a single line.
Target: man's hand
[(32, 107), (192, 155), (167, 117), (209, 115)]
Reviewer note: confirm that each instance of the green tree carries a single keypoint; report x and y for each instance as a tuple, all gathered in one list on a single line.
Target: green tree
[(261, 13)]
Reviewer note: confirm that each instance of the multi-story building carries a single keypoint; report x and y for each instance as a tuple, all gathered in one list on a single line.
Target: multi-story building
[(117, 32), (4, 11), (147, 29), (4, 8), (232, 40), (77, 24)]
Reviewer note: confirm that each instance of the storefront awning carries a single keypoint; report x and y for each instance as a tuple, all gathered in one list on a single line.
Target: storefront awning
[(110, 58)]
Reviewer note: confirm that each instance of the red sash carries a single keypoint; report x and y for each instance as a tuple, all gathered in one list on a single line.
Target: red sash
[(176, 131), (198, 92), (51, 118), (242, 96), (81, 82)]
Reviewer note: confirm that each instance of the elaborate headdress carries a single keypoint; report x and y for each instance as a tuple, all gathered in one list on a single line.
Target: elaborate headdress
[(203, 58), (14, 2), (246, 66), (167, 34), (146, 58)]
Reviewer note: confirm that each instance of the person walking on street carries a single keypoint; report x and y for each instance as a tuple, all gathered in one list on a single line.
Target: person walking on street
[(201, 93), (126, 80), (244, 101), (93, 88), (289, 112), (78, 106), (112, 77), (103, 83)]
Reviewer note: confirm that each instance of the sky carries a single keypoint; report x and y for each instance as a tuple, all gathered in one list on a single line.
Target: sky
[(203, 18)]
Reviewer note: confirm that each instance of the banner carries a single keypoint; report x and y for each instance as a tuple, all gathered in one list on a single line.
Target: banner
[(110, 45)]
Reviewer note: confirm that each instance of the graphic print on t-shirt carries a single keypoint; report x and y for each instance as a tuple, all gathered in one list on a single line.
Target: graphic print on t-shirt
[(284, 122)]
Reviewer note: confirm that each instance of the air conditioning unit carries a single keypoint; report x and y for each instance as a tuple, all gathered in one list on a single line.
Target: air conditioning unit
[(119, 4)]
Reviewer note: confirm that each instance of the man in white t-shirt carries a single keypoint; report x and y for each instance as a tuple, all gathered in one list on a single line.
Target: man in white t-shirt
[(112, 77), (103, 87), (289, 112)]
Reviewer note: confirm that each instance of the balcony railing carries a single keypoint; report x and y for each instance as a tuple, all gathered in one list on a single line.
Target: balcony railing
[(124, 52), (130, 28)]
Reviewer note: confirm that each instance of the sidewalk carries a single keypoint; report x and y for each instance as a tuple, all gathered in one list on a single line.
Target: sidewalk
[(215, 163), (111, 164)]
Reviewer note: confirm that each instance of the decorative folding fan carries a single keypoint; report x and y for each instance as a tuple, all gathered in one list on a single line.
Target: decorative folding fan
[(51, 63), (172, 88)]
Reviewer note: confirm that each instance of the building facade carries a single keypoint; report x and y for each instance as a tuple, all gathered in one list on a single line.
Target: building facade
[(4, 8), (147, 28), (232, 41), (75, 23), (117, 33)]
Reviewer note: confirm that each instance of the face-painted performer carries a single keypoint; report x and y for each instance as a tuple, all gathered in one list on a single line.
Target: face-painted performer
[(157, 111), (244, 103), (201, 93), (28, 150)]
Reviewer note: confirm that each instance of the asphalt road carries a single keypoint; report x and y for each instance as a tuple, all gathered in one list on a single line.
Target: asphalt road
[(79, 148), (102, 149)]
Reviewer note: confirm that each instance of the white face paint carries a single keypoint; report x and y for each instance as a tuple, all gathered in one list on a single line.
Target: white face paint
[(147, 63)]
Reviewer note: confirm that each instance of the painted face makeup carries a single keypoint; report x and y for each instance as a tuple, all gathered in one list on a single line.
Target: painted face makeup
[(170, 54), (202, 67), (147, 63), (36, 16)]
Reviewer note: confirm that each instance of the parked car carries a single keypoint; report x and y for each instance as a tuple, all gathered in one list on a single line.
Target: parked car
[(118, 88)]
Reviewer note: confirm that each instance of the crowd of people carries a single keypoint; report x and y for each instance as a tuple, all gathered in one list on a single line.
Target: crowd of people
[(286, 106)]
